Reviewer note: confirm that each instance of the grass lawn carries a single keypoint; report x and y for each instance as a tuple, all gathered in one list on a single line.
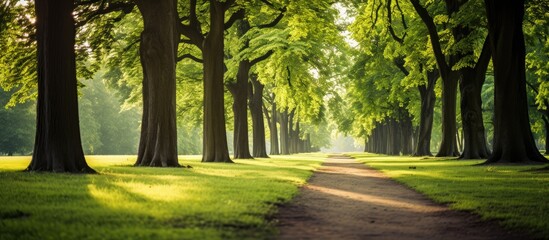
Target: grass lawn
[(208, 201), (513, 195)]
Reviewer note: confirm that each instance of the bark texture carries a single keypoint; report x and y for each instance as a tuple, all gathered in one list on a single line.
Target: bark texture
[(273, 128), (57, 146), (513, 139), (239, 91), (448, 146), (472, 79), (215, 136), (284, 133), (158, 49), (427, 94), (258, 123)]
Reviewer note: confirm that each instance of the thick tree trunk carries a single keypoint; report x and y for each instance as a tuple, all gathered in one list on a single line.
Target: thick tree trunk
[(513, 139), (215, 136), (239, 91), (427, 93), (474, 137), (57, 146), (448, 146), (472, 79), (258, 123), (284, 138), (159, 41)]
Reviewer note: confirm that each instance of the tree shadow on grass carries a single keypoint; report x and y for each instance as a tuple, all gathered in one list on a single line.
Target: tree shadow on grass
[(114, 205)]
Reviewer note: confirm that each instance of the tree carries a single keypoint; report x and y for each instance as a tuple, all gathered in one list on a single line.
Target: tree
[(241, 89), (449, 77), (57, 146), (513, 139), (212, 47), (272, 119), (255, 102), (158, 53)]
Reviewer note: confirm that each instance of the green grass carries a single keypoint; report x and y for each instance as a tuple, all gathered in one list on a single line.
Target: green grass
[(513, 195), (209, 201)]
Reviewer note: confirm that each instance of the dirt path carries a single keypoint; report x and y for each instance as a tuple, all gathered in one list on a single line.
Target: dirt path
[(348, 200)]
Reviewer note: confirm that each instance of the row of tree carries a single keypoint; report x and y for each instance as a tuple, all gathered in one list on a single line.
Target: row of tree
[(281, 60), (80, 38), (405, 47)]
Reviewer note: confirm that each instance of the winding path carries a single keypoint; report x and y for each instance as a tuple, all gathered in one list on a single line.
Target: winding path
[(345, 199)]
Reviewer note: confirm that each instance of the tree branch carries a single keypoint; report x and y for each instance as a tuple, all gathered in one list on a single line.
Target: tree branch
[(236, 16), (81, 3), (399, 63), (193, 19), (377, 14), (484, 58), (125, 7), (275, 21), (390, 25), (401, 15), (261, 58), (433, 34), (227, 4), (189, 56), (194, 37), (268, 3), (193, 30)]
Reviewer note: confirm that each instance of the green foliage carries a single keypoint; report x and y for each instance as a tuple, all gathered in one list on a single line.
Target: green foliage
[(17, 131), (209, 201), (106, 127), (18, 48), (508, 194)]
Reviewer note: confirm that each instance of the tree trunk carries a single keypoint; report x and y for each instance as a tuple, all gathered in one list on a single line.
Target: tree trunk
[(428, 99), (513, 139), (256, 109), (406, 135), (159, 41), (284, 133), (273, 129), (291, 133), (474, 137), (448, 146), (297, 141), (394, 138), (57, 146), (472, 79), (215, 137), (546, 125), (239, 91)]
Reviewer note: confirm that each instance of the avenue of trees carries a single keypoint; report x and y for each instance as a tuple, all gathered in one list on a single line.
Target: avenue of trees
[(158, 78), (423, 59)]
